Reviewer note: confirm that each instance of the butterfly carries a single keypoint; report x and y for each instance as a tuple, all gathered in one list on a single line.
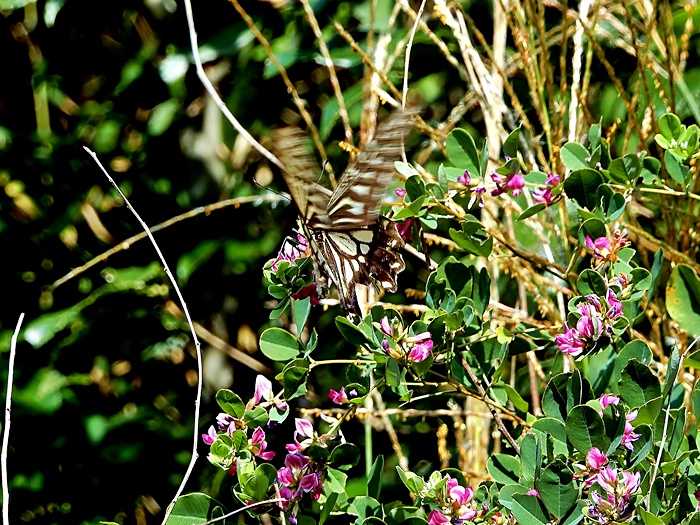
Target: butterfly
[(350, 243)]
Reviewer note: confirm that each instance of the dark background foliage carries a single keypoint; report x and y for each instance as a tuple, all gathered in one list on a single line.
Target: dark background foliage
[(105, 376)]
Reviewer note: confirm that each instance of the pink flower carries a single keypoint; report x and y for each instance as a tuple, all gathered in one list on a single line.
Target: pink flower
[(552, 179), (543, 196), (339, 397), (225, 423), (608, 399), (291, 250), (515, 182), (461, 495), (304, 428), (600, 246), (605, 248), (590, 324), (629, 436), (614, 305), (310, 291), (465, 178), (400, 192), (477, 195), (263, 389), (570, 343), (422, 348), (607, 479), (386, 326), (630, 482), (437, 518), (210, 436), (404, 229), (595, 459), (533, 492), (258, 445)]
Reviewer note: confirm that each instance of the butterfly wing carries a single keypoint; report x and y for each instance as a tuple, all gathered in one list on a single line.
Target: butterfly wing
[(301, 173), (356, 201), (367, 256)]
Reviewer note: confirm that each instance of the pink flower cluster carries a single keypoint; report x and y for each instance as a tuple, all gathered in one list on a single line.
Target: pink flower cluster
[(607, 248), (513, 183), (340, 397), (291, 250), (615, 504), (595, 320), (414, 349), (545, 194), (227, 424), (300, 474), (455, 505)]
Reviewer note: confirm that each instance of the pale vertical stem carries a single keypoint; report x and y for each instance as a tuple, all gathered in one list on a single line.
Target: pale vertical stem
[(215, 96), (186, 311), (583, 8), (342, 110), (6, 429), (407, 61)]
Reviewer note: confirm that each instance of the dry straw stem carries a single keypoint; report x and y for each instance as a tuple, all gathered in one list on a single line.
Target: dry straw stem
[(215, 96), (298, 101), (325, 53), (236, 202), (221, 345), (6, 429), (183, 304)]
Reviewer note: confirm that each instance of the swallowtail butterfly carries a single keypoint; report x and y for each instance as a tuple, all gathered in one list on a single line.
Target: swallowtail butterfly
[(350, 243)]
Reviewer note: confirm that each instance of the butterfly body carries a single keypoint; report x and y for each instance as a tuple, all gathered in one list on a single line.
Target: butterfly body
[(350, 243)]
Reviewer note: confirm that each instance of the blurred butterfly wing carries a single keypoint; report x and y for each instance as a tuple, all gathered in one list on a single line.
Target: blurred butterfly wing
[(301, 173), (357, 199)]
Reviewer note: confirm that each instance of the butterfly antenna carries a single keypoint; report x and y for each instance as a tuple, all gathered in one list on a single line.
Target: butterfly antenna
[(323, 170)]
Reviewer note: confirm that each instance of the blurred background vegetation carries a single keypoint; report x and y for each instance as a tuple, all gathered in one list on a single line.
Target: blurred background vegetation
[(105, 374)]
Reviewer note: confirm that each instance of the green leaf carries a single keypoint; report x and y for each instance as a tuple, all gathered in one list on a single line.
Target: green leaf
[(189, 262), (528, 510), (300, 312), (556, 429), (582, 186), (557, 489), (194, 509), (350, 332), (650, 519), (230, 402), (345, 455), (504, 469), (162, 116), (638, 384), (413, 482), (683, 299), (673, 366), (473, 238), (532, 210), (591, 282), (585, 429), (670, 126), (510, 145), (374, 480), (257, 417), (574, 156), (675, 168), (278, 344), (462, 152), (44, 392), (328, 507)]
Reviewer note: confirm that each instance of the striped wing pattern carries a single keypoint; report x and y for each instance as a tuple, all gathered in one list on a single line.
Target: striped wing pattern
[(301, 173), (368, 256), (349, 243), (357, 199)]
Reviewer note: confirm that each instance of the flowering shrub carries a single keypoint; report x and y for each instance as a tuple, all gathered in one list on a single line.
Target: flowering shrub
[(592, 411)]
